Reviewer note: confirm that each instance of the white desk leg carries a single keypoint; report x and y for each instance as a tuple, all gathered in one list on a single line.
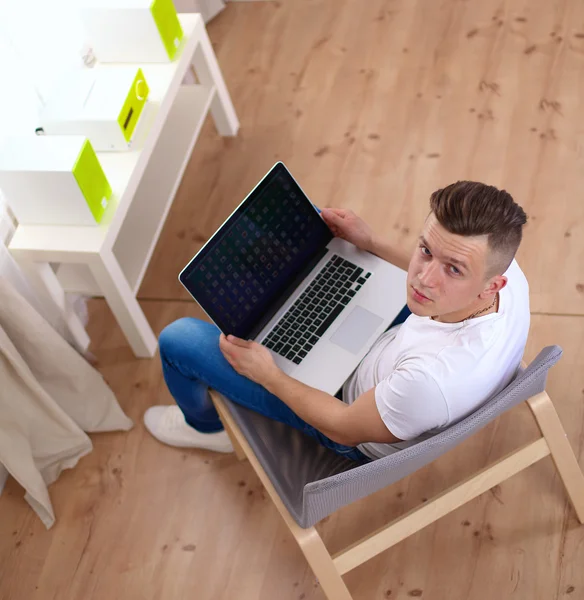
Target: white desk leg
[(120, 298), (209, 74), (43, 278)]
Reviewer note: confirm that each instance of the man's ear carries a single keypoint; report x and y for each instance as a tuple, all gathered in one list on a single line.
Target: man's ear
[(494, 285)]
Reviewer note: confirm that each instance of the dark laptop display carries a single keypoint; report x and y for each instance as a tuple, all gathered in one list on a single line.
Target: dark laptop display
[(248, 269)]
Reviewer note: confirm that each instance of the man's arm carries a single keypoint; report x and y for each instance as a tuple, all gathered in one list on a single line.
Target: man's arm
[(347, 225), (345, 424)]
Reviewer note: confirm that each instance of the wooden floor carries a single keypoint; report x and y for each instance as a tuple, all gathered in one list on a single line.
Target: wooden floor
[(372, 105)]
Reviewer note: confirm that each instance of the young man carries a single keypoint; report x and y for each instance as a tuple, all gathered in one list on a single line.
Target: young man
[(462, 343)]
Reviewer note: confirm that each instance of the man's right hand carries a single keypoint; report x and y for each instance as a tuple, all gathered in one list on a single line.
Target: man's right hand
[(347, 225)]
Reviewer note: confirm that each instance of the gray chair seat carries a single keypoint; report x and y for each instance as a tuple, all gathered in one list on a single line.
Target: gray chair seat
[(314, 482)]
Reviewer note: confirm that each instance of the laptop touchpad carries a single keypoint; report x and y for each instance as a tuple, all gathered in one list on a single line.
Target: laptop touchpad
[(356, 329)]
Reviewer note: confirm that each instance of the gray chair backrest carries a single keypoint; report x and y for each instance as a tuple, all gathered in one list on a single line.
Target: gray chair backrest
[(314, 482)]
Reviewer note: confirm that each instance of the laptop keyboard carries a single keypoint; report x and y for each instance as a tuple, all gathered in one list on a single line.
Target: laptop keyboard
[(315, 310)]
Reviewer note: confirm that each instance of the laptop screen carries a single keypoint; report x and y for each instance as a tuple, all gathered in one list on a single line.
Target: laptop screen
[(250, 266)]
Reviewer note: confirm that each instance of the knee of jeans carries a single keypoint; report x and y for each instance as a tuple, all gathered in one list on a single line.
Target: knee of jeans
[(178, 337), (173, 334)]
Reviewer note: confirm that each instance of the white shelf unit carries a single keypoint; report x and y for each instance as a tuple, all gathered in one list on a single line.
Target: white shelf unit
[(110, 259)]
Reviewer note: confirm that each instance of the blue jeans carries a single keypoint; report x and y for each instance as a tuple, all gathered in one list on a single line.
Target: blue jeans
[(192, 363)]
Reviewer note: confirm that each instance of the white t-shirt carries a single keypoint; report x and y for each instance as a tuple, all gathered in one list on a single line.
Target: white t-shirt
[(428, 375)]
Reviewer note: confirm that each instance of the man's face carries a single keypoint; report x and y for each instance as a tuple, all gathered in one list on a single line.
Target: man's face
[(447, 271)]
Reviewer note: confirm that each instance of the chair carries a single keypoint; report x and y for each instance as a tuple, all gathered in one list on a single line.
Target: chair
[(307, 482)]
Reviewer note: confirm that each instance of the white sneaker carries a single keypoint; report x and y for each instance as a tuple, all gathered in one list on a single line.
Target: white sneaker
[(167, 424)]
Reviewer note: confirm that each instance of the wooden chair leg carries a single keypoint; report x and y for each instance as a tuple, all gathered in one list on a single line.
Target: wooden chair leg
[(239, 453), (321, 562), (566, 463)]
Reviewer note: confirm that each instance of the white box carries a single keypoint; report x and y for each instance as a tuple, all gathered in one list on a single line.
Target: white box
[(53, 180), (103, 104), (132, 31)]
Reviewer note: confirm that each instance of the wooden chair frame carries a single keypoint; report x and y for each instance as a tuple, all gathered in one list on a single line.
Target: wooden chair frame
[(330, 569)]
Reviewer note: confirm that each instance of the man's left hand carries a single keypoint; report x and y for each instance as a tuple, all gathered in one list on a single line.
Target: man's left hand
[(250, 359)]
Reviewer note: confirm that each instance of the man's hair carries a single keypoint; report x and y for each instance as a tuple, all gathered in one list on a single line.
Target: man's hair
[(470, 208)]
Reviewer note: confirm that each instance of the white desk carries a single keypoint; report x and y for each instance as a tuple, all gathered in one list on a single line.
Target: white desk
[(110, 259)]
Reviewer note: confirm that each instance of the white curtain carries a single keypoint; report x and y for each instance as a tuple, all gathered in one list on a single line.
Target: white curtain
[(10, 270)]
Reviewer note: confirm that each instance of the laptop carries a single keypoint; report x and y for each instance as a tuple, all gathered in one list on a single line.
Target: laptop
[(274, 273)]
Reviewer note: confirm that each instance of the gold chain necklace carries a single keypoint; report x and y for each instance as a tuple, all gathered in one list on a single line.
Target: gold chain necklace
[(478, 311), (476, 314)]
